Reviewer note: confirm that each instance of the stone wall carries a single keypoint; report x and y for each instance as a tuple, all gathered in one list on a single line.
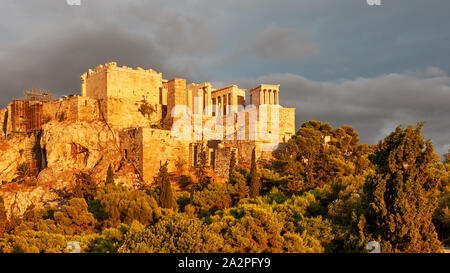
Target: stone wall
[(243, 150), (131, 145), (176, 95), (122, 82), (146, 148), (69, 108), (124, 113), (95, 84), (157, 147), (134, 84), (72, 108), (287, 124), (88, 109), (62, 109), (222, 161)]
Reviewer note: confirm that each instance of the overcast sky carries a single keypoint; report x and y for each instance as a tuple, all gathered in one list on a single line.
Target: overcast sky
[(337, 61)]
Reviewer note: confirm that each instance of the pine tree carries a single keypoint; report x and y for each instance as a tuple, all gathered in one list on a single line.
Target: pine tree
[(318, 154), (85, 186), (400, 198), (166, 198), (3, 218), (232, 163), (255, 183), (119, 204), (447, 156), (109, 176), (75, 217)]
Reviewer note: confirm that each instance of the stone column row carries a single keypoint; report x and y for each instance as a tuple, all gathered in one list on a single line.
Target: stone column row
[(207, 100), (268, 96)]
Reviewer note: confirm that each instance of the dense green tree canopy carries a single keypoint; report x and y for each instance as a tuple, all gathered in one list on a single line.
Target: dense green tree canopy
[(401, 195), (325, 192), (317, 154), (173, 234), (123, 205)]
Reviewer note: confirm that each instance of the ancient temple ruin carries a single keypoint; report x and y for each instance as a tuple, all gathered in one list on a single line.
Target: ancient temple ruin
[(145, 108)]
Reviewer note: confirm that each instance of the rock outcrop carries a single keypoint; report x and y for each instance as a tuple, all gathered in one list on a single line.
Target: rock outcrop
[(19, 197), (80, 146), (3, 117), (68, 147), (12, 154)]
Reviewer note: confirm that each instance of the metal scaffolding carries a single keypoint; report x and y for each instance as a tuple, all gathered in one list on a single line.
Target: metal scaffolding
[(27, 112)]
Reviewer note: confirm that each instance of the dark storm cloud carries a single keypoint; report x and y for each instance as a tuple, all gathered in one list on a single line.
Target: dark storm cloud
[(339, 47), (55, 63), (54, 52), (278, 43)]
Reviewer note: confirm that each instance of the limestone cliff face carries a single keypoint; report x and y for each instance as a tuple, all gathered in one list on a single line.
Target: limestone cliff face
[(5, 121), (80, 146), (3, 116), (68, 147), (11, 156), (18, 197)]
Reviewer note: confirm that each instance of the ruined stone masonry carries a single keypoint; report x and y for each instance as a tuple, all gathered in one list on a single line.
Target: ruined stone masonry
[(137, 106)]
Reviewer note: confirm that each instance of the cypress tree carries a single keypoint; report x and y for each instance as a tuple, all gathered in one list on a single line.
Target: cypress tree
[(254, 178), (3, 217), (85, 186), (109, 176), (447, 157), (400, 198), (202, 166), (166, 198), (232, 163)]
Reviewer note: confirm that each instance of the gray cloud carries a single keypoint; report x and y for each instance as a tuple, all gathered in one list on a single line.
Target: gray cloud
[(55, 63), (277, 43), (48, 44), (54, 57)]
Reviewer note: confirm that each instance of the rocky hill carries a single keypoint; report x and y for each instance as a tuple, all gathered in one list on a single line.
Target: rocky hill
[(66, 148)]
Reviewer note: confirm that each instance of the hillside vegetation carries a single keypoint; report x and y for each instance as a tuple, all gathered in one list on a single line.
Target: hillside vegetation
[(325, 192)]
